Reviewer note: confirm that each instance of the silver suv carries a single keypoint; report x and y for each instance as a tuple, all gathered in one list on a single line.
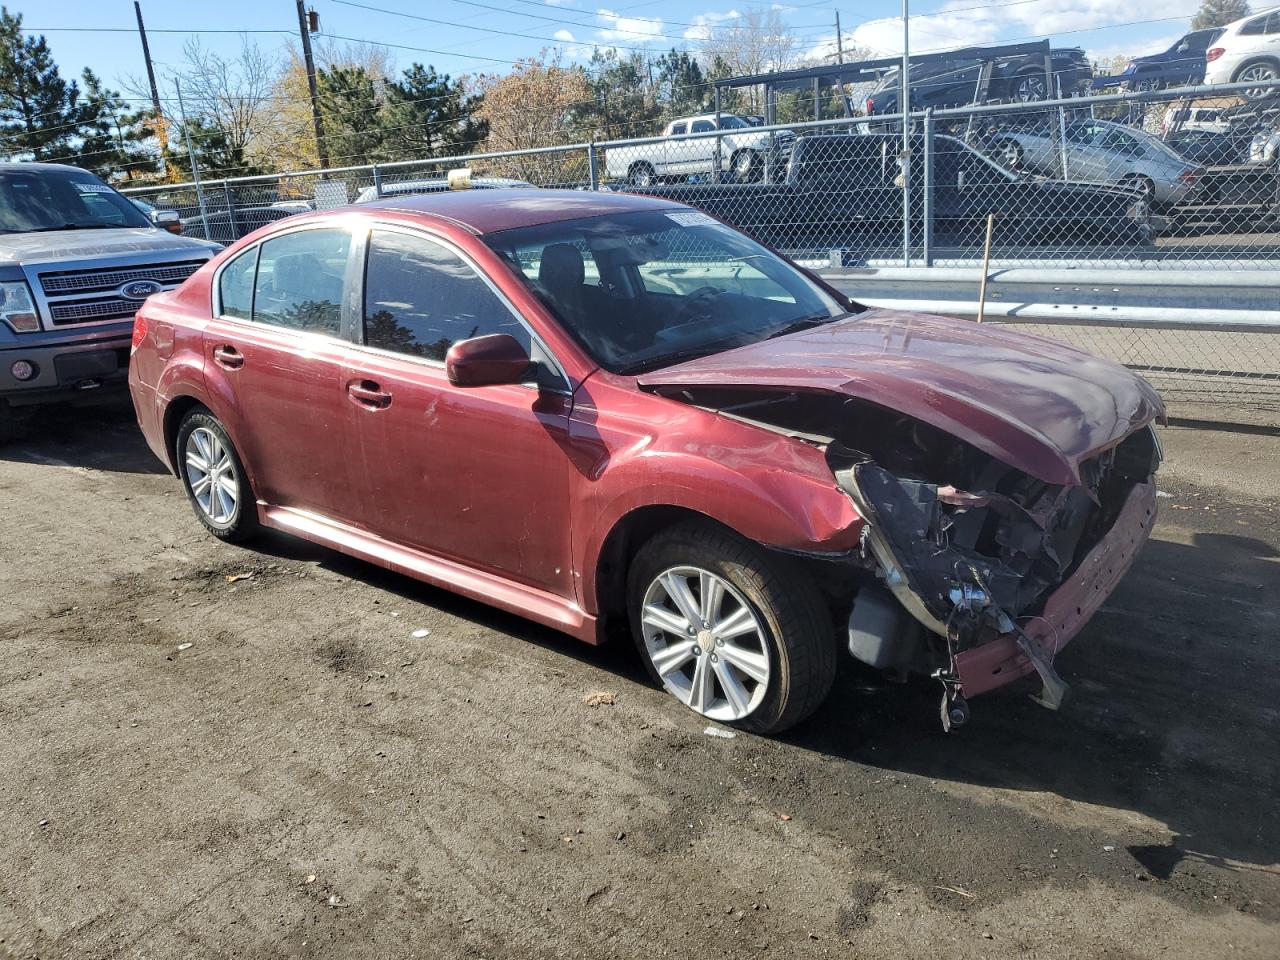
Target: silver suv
[(76, 260)]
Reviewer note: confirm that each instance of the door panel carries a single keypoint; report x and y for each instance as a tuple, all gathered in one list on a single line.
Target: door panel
[(475, 474), (276, 357)]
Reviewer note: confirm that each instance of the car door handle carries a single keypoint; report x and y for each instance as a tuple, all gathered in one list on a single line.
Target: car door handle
[(368, 394), (228, 356)]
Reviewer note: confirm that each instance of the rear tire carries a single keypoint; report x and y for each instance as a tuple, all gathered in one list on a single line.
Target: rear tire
[(641, 175), (767, 663), (1259, 71), (214, 477)]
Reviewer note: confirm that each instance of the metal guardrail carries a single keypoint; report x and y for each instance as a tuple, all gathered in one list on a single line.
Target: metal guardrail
[(1177, 300)]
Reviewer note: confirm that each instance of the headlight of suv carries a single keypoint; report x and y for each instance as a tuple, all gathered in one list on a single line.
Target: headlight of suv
[(17, 308)]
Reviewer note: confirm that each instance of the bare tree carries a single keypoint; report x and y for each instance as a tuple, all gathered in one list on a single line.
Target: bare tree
[(756, 42), (233, 96)]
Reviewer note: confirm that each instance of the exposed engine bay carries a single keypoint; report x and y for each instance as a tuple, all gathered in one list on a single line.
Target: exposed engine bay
[(969, 546)]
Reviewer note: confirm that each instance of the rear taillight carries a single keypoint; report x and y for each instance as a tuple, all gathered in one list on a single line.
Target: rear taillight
[(139, 329), (871, 106), (1214, 53), (1189, 176)]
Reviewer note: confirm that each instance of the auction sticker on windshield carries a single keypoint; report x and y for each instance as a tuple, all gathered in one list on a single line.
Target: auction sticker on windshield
[(692, 218)]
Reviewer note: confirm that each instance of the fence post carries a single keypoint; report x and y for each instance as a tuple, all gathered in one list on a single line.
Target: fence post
[(231, 211), (593, 164), (715, 174), (926, 241), (377, 182), (905, 163), (1062, 142)]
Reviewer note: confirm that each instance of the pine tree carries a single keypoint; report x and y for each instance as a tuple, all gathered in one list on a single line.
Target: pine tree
[(37, 107), (1218, 13), (682, 88), (429, 114), (351, 107), (111, 135)]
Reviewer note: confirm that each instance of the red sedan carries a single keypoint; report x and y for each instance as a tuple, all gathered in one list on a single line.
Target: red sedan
[(589, 407)]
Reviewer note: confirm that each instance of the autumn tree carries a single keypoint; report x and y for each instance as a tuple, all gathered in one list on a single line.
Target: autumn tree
[(756, 42), (1218, 13)]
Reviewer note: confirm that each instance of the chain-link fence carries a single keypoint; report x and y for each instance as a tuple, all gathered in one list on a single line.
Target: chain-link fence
[(1179, 184)]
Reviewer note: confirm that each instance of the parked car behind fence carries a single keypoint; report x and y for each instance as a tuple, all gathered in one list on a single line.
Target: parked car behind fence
[(844, 192), (1100, 151)]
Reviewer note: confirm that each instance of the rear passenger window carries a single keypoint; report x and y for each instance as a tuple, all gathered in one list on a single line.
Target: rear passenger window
[(235, 286), (678, 128), (420, 298), (299, 281)]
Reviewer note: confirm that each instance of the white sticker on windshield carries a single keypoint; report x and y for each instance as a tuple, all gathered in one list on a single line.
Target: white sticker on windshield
[(691, 218), (91, 187)]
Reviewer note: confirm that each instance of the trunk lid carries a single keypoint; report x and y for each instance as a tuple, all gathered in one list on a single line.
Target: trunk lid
[(1037, 404)]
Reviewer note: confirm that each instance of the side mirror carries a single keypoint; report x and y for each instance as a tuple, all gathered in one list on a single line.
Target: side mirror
[(167, 220), (486, 361)]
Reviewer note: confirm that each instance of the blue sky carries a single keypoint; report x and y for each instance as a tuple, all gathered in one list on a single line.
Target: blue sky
[(1103, 27)]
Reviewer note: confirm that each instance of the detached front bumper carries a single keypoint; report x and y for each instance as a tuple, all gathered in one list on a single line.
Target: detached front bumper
[(1002, 661)]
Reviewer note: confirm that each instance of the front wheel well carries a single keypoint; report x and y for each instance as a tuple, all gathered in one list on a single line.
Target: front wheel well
[(621, 545)]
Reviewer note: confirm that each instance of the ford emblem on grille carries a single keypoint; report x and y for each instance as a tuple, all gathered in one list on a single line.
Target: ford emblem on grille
[(139, 289)]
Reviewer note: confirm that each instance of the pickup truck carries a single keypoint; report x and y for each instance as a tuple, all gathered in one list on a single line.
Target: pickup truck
[(688, 149), (844, 192), (76, 261)]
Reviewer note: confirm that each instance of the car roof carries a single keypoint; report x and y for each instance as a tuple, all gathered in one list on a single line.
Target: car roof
[(31, 166), (488, 211)]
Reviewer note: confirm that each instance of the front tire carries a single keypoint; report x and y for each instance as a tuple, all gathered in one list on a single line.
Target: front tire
[(730, 631), (214, 477)]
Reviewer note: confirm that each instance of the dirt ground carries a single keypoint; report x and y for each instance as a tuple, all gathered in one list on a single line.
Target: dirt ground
[(214, 751)]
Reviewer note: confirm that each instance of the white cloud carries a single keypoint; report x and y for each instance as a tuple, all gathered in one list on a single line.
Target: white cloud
[(628, 29), (564, 36), (958, 24), (705, 23)]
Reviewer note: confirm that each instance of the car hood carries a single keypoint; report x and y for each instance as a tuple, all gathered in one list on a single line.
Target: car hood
[(1039, 405), (58, 245)]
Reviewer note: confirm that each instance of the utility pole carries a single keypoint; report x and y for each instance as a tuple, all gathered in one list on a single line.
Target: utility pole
[(839, 41), (162, 133), (305, 25)]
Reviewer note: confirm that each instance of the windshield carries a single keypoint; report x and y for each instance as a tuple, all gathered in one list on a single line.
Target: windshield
[(644, 290), (44, 198)]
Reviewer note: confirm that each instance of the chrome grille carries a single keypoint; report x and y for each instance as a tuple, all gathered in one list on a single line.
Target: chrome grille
[(63, 282), (84, 311)]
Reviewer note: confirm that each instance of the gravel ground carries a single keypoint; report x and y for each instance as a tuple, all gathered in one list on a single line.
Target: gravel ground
[(214, 751)]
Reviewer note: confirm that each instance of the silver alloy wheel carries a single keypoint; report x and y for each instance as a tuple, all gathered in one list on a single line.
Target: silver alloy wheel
[(706, 643), (1011, 153), (1257, 73), (212, 475), (1030, 89)]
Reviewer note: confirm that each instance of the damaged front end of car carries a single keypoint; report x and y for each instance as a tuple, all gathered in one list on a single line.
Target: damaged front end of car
[(972, 570)]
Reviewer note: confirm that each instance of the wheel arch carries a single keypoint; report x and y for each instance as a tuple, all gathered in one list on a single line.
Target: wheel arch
[(174, 413), (1254, 61), (628, 534)]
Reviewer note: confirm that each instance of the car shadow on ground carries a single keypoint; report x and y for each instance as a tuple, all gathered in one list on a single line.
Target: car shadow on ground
[(99, 437)]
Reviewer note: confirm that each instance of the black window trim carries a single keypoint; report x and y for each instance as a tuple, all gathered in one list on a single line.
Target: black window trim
[(549, 360), (348, 323)]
